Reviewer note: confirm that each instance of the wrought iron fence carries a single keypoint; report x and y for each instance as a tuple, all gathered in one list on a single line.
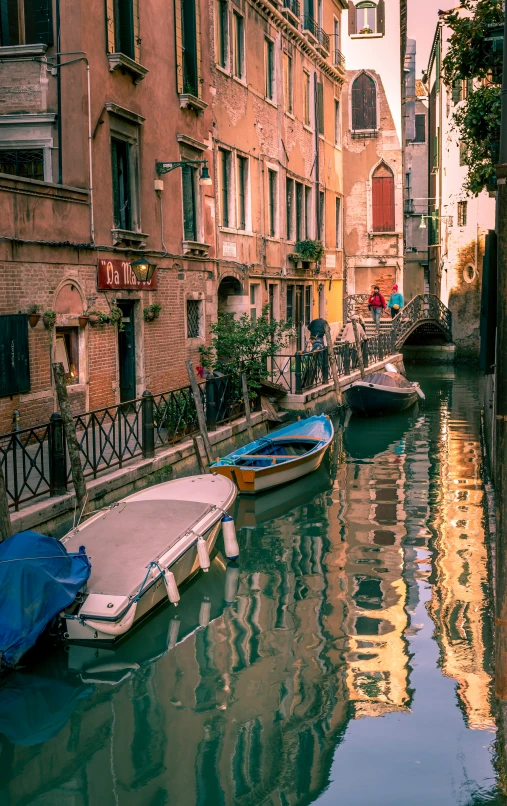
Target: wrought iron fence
[(293, 6), (339, 58), (310, 25), (358, 304), (35, 461), (323, 39), (422, 309)]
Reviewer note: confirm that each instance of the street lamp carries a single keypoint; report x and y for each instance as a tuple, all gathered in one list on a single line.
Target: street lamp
[(143, 269), (167, 167), (435, 217)]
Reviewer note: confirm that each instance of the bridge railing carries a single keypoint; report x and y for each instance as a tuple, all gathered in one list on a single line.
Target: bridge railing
[(358, 304), (422, 308)]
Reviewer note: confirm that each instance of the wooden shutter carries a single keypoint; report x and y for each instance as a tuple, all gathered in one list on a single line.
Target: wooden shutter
[(420, 129), (14, 355), (178, 27), (364, 103), (137, 36), (41, 9), (198, 47), (189, 212), (116, 184), (320, 106), (383, 200), (352, 18), (381, 17), (110, 29)]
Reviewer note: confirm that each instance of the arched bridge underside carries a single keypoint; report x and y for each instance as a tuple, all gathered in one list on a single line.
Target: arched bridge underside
[(424, 319)]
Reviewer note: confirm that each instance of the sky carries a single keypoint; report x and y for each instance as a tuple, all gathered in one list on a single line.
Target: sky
[(422, 23)]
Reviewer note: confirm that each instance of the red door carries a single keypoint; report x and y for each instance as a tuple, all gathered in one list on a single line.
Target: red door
[(383, 203)]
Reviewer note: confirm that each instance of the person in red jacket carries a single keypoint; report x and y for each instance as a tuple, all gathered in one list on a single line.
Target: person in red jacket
[(376, 304)]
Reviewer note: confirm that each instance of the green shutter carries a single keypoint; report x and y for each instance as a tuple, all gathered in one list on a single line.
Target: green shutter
[(320, 106), (14, 355), (189, 211), (116, 184)]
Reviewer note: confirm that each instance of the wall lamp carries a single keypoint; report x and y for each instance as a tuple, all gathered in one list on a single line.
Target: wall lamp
[(435, 217), (167, 167)]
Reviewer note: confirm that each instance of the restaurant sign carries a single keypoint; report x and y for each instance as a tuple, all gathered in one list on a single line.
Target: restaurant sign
[(118, 274)]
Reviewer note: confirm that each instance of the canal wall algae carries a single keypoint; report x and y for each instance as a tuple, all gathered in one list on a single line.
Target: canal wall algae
[(353, 666)]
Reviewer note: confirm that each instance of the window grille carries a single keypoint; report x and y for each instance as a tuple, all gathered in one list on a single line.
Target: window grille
[(25, 162), (462, 214), (194, 317)]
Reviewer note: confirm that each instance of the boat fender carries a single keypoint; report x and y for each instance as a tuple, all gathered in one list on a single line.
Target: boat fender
[(419, 391), (171, 586), (205, 613), (231, 582), (230, 540), (203, 554)]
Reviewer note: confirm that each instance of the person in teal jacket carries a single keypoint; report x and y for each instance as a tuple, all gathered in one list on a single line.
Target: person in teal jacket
[(395, 303)]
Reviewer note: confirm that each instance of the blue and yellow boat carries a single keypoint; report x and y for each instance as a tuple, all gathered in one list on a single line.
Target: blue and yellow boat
[(284, 455)]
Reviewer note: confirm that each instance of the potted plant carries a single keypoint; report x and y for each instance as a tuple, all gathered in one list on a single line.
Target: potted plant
[(49, 319), (33, 314), (116, 317), (83, 320), (366, 31), (308, 251), (96, 317), (152, 312)]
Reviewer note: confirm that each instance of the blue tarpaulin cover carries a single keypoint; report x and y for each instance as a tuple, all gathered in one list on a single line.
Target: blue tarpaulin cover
[(38, 578)]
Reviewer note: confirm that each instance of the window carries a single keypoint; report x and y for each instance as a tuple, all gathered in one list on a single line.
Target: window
[(273, 301), (124, 27), (290, 303), (287, 82), (306, 98), (239, 46), (337, 124), (462, 213), (242, 191), (222, 33), (189, 46), (67, 352), (300, 213), (289, 206), (322, 215), (320, 107), (337, 45), (420, 129), (364, 104), (308, 304), (122, 184), (189, 203), (338, 222), (366, 17), (224, 163), (270, 69), (26, 162), (383, 199), (254, 300), (308, 211), (194, 319), (25, 22), (272, 190)]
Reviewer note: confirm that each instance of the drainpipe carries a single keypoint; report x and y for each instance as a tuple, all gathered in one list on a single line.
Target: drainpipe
[(59, 94)]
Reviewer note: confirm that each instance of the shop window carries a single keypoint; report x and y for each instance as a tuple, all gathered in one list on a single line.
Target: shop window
[(67, 352), (364, 104), (25, 22), (194, 319)]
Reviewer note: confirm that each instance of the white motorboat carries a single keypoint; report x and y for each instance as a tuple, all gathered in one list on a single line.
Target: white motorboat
[(142, 548)]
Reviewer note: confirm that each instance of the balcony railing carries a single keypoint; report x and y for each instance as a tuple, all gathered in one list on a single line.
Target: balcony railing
[(311, 26), (323, 40), (339, 58), (409, 207), (293, 7)]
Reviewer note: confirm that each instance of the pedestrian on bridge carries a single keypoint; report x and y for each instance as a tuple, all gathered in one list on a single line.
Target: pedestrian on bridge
[(376, 304), (395, 303)]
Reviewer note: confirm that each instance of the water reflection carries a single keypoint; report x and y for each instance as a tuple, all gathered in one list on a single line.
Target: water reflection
[(361, 593)]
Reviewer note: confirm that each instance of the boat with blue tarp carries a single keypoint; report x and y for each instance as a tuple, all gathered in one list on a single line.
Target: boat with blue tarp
[(283, 456)]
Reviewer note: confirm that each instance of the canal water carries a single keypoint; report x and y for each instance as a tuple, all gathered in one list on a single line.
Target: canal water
[(345, 660)]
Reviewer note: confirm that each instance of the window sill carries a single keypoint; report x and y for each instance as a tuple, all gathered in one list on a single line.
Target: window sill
[(366, 36), (291, 17), (239, 80), (234, 231), (271, 102), (195, 248), (387, 232), (37, 49), (307, 128), (190, 101), (223, 70), (125, 236), (118, 61), (289, 115)]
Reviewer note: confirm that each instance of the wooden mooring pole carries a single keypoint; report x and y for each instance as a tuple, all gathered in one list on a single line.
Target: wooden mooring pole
[(78, 478), (248, 414), (359, 347), (5, 518), (200, 410), (332, 364)]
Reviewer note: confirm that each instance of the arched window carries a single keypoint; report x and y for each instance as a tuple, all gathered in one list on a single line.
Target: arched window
[(366, 17), (383, 199), (364, 103)]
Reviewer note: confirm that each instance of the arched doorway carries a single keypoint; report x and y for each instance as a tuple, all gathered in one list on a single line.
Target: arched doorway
[(231, 298)]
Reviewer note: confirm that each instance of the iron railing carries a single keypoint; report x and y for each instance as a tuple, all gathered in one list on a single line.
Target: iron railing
[(310, 25), (424, 309), (293, 6), (358, 304), (339, 58), (35, 460), (323, 40)]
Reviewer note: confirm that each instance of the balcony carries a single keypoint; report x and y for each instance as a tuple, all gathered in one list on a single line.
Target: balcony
[(292, 11), (311, 29), (409, 207), (339, 58), (322, 42)]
